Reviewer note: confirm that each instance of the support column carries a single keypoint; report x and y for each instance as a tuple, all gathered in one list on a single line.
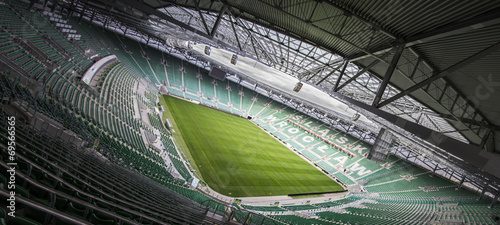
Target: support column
[(32, 3), (435, 168), (482, 194), (246, 219), (228, 215), (493, 202), (461, 183), (485, 139), (81, 15)]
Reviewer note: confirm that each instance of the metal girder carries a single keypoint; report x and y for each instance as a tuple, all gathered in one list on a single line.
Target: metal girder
[(217, 21), (388, 75), (282, 43), (321, 67), (466, 152), (485, 139), (375, 62), (315, 74), (253, 45), (448, 84), (337, 36), (443, 73), (329, 74), (484, 20), (82, 13), (444, 91), (108, 14), (278, 43), (454, 102), (235, 33), (335, 88), (370, 23), (152, 11), (492, 147), (420, 59), (255, 42), (465, 121), (202, 17)]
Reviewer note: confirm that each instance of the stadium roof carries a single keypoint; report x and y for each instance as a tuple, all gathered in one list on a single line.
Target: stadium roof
[(429, 62)]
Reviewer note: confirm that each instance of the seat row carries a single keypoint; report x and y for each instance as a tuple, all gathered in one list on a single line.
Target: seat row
[(48, 172)]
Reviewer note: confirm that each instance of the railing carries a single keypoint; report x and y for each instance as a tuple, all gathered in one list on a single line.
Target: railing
[(13, 66), (229, 216)]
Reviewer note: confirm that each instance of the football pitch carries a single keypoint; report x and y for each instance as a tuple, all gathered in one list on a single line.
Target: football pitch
[(237, 158)]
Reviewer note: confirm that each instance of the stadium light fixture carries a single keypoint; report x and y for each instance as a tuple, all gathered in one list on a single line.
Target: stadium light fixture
[(355, 117), (234, 59), (298, 86), (207, 50)]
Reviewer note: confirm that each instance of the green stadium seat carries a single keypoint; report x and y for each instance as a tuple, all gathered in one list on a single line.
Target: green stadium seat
[(22, 191), (20, 220), (3, 216), (102, 219), (35, 214), (76, 209), (64, 222), (40, 193), (3, 182)]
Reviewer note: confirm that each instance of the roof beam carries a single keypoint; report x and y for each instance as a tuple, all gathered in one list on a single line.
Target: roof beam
[(329, 74), (420, 59), (254, 41), (254, 48), (315, 74), (335, 88), (485, 139), (375, 62), (235, 33), (485, 20), (320, 67), (388, 75), (202, 17), (465, 120), (278, 43), (445, 72), (334, 35), (217, 22), (370, 23), (152, 11), (466, 152)]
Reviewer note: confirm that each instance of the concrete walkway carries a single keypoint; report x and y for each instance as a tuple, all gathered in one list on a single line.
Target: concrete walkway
[(285, 200)]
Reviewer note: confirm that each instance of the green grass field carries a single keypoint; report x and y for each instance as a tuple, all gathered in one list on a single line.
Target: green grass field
[(237, 158)]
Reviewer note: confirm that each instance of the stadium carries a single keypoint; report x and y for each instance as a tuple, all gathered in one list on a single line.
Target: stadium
[(249, 112)]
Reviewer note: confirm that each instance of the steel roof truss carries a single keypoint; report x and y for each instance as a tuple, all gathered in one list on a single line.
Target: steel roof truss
[(487, 19), (444, 72), (387, 77), (217, 21), (330, 33), (365, 69), (202, 17), (235, 33)]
